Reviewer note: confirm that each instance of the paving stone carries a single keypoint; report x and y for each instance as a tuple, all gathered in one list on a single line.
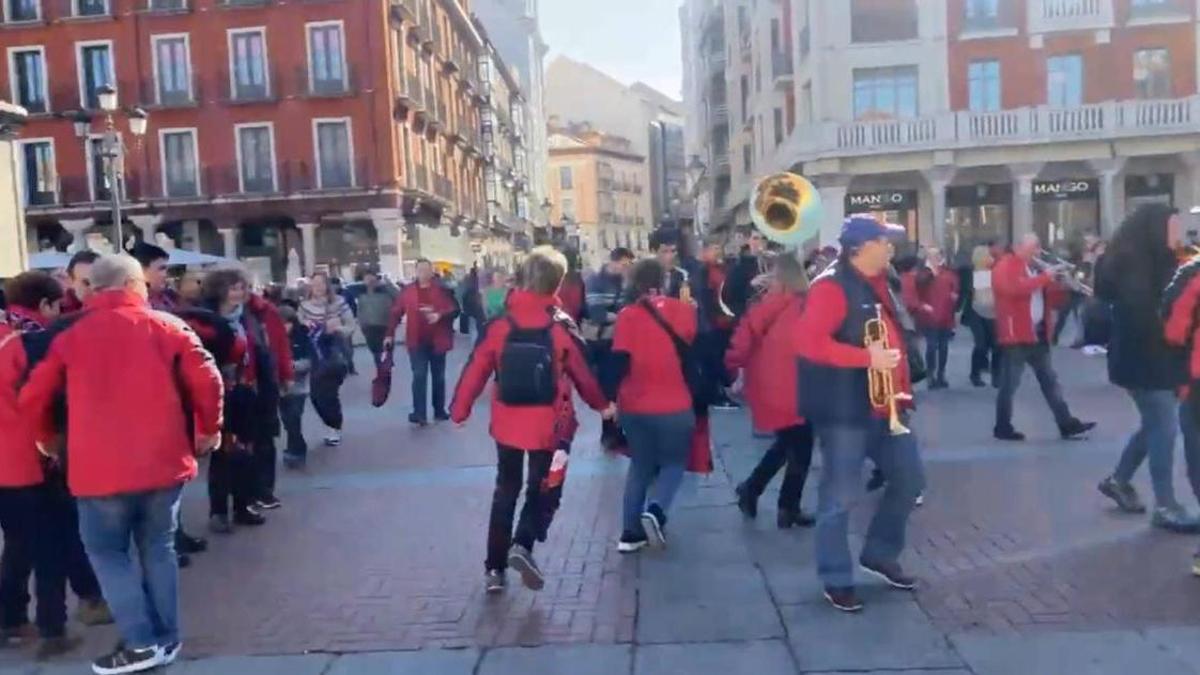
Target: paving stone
[(1095, 653), (886, 635), (765, 657), (1184, 642), (430, 662), (556, 660), (311, 664)]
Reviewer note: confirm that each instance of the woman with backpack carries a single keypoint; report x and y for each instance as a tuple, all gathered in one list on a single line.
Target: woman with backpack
[(654, 401), (329, 320)]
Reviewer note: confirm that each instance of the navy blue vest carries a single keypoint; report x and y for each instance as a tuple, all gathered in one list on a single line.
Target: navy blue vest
[(832, 395)]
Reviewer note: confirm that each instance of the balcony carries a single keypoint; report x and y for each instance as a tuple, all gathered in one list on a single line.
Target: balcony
[(166, 6), (719, 115), (1111, 120), (309, 86), (84, 9), (159, 95), (782, 69), (243, 3), (1048, 16), (405, 10)]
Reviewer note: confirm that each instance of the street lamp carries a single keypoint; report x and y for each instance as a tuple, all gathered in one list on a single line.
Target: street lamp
[(111, 149)]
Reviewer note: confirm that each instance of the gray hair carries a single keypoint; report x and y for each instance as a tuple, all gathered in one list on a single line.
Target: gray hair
[(111, 272)]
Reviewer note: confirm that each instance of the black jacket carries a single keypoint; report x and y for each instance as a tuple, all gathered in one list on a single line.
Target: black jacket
[(1138, 354)]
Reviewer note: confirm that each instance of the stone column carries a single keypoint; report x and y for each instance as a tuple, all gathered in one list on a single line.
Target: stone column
[(77, 228), (1022, 216), (939, 179), (308, 239), (148, 225), (1112, 194), (833, 201), (389, 226), (229, 237)]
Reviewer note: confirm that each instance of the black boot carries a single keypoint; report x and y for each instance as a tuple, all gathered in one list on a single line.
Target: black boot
[(747, 503), (788, 518)]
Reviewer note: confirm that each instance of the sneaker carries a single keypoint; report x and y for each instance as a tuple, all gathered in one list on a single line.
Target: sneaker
[(417, 420), (1007, 434), (441, 417), (920, 500), (1076, 428), (788, 518), (293, 461), (843, 598), (125, 660), (654, 522), (747, 504), (93, 612), (267, 503), (184, 560), (892, 573), (726, 404), (219, 524), (248, 517), (1175, 519), (171, 652), (49, 648), (521, 560), (631, 543), (1124, 494), (877, 481), (333, 439), (494, 581), (188, 544)]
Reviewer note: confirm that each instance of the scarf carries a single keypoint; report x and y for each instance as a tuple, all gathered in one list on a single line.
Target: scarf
[(23, 320)]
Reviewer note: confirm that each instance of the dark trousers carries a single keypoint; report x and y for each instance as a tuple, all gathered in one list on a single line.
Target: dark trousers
[(985, 356), (711, 346), (265, 464), (937, 350), (35, 540), (1074, 305), (510, 467), (374, 336), (291, 412), (327, 400), (231, 475), (1012, 366), (426, 366), (793, 446)]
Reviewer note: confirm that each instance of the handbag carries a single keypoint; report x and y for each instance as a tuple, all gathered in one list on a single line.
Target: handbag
[(699, 385), (381, 386)]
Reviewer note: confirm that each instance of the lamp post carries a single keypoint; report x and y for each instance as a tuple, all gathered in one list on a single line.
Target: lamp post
[(570, 231), (112, 149)]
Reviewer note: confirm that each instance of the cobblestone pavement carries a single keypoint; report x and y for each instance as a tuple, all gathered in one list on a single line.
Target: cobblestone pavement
[(374, 564)]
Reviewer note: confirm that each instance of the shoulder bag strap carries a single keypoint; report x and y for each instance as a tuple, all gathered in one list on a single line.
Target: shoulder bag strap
[(680, 346)]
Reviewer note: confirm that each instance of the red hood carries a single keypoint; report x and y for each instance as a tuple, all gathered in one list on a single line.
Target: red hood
[(527, 307)]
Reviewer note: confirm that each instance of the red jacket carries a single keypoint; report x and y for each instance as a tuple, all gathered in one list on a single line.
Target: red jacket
[(441, 334), (1181, 301), (20, 461), (1013, 289), (278, 341), (931, 297), (137, 440), (654, 384), (571, 296), (763, 345), (526, 427)]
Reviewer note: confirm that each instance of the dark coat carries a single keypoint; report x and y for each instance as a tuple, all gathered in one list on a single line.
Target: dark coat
[(1139, 356)]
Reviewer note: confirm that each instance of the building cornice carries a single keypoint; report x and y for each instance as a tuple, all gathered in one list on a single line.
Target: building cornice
[(12, 118)]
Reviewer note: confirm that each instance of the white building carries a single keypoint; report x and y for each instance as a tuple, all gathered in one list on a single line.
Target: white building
[(13, 247)]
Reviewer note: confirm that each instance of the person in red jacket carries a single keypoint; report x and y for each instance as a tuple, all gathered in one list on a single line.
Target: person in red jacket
[(763, 349), (655, 403), (851, 423), (528, 352), (1181, 309), (1023, 325), (429, 334), (129, 455), (79, 269), (931, 294)]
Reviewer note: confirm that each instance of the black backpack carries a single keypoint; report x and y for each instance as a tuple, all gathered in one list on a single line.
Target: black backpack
[(525, 376)]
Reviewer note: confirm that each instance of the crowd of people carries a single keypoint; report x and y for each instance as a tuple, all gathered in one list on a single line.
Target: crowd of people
[(825, 350)]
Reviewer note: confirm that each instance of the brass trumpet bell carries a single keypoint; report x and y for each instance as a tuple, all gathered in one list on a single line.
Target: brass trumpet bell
[(786, 208)]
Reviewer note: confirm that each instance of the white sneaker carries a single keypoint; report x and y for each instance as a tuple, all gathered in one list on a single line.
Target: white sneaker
[(921, 499), (333, 438), (170, 653)]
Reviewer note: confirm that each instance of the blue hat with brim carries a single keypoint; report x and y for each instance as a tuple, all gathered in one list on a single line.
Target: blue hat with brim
[(860, 229)]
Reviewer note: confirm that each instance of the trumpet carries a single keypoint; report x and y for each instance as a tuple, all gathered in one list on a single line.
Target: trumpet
[(1065, 271), (881, 386), (685, 286)]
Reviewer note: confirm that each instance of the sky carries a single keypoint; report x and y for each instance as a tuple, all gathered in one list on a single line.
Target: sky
[(630, 40)]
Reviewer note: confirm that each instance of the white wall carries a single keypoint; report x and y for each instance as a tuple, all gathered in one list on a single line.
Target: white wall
[(12, 223)]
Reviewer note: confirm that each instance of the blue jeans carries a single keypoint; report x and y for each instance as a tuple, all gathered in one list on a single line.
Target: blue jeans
[(937, 350), (843, 450), (426, 365), (143, 594), (1191, 445), (659, 446), (1159, 412)]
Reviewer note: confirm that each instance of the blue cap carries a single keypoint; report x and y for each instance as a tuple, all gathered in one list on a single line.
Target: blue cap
[(859, 229)]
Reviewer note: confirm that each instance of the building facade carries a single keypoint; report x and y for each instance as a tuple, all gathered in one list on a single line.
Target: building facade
[(597, 182), (13, 249), (970, 120), (344, 133)]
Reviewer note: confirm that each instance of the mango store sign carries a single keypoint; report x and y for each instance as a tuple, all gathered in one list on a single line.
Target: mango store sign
[(1066, 189)]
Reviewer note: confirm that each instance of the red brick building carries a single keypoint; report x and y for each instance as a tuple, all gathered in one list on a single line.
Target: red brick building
[(332, 128)]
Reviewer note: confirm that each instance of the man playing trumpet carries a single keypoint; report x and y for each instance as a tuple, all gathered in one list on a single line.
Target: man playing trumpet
[(841, 364)]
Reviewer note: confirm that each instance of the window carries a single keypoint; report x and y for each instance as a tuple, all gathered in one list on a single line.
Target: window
[(248, 79), (1139, 8), (335, 158), (565, 179), (983, 79), (91, 7), (326, 58), (256, 157), (180, 164), (1064, 80), (778, 126), (885, 93), (167, 5), (568, 207), (1152, 73), (27, 78), (95, 71), (22, 10), (747, 158), (40, 184), (981, 13), (879, 21), (172, 69), (98, 184)]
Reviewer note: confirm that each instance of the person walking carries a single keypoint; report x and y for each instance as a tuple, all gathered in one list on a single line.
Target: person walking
[(126, 474), (931, 297), (851, 425), (429, 334), (762, 349), (655, 405), (528, 353), (1181, 300), (374, 300), (979, 314), (495, 294), (1023, 324), (329, 320), (1132, 277), (291, 404)]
